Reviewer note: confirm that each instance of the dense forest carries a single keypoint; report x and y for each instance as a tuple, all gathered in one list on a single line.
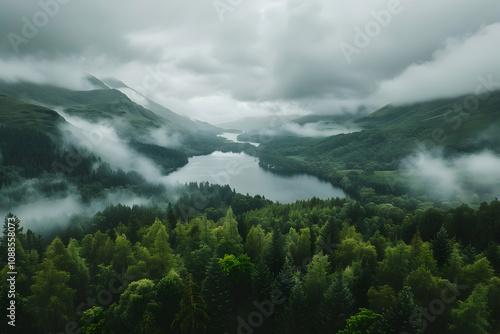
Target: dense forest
[(221, 262)]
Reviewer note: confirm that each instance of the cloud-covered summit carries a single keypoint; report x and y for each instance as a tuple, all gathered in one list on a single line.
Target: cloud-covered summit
[(263, 57)]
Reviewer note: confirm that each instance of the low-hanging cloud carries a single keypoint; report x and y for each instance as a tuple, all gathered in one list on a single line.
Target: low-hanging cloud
[(317, 129), (162, 137), (462, 175), (101, 139), (41, 211)]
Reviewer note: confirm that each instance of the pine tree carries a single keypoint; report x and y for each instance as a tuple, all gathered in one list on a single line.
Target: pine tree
[(255, 242), (171, 218), (336, 306), (404, 316), (274, 256), (133, 227), (285, 280), (230, 228), (441, 247), (297, 317), (217, 294), (261, 281), (192, 316)]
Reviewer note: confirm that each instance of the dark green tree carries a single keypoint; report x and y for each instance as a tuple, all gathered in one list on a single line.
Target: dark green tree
[(275, 256), (52, 299), (261, 281), (441, 247), (216, 292), (336, 306), (169, 292), (171, 218), (405, 315), (472, 315), (192, 317)]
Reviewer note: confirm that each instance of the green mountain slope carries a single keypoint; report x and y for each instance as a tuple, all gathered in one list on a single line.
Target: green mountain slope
[(436, 120), (390, 135), (130, 119), (192, 125), (20, 114)]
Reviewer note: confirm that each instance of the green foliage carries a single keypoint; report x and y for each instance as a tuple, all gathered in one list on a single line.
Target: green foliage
[(52, 299), (134, 301), (336, 306), (94, 321), (364, 322), (404, 316), (261, 281), (472, 315), (381, 299), (169, 292), (192, 317), (441, 247), (216, 292), (331, 271)]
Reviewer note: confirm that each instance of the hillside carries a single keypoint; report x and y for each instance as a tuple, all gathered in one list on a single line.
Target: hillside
[(19, 114), (391, 134), (192, 125), (419, 120), (94, 106)]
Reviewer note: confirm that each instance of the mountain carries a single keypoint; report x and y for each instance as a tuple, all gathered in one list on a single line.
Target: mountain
[(132, 94), (443, 121), (131, 120), (20, 114), (388, 136)]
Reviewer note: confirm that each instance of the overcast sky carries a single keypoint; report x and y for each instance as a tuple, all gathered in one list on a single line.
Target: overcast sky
[(223, 60)]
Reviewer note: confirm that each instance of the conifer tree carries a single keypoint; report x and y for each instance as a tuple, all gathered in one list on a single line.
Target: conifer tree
[(192, 317), (441, 247)]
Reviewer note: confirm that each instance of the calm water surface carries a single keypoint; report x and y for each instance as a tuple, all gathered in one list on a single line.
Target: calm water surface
[(242, 173)]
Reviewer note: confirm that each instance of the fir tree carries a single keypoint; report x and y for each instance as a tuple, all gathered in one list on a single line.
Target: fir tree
[(441, 247)]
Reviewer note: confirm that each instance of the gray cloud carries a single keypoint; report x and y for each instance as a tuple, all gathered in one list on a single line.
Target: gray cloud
[(464, 175), (264, 53)]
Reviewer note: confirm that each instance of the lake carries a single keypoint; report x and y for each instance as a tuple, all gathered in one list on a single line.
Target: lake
[(243, 173), (234, 137)]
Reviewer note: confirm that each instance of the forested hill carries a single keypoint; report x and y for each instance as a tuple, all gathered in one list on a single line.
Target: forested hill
[(390, 135), (444, 121), (20, 114)]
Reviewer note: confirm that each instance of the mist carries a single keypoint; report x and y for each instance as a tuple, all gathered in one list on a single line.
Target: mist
[(316, 130), (471, 177), (162, 137), (102, 140), (50, 201), (42, 212)]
